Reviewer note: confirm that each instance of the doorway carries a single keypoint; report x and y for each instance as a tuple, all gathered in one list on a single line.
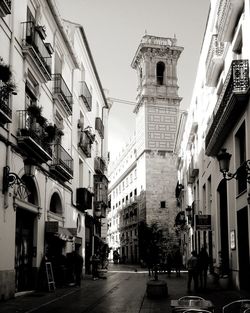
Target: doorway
[(243, 248), (24, 250)]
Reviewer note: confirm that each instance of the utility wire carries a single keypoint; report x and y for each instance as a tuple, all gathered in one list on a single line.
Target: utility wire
[(135, 103)]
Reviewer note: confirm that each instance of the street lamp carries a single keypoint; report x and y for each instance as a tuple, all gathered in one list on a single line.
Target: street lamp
[(224, 161)]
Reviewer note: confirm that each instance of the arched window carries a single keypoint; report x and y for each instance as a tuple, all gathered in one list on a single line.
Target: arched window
[(55, 204), (160, 69)]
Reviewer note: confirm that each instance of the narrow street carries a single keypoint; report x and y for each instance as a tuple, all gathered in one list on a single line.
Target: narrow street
[(124, 291)]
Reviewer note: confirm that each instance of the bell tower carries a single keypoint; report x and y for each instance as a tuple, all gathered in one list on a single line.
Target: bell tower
[(157, 112)]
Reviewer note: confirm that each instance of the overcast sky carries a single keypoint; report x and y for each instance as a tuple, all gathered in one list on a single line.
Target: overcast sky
[(114, 29)]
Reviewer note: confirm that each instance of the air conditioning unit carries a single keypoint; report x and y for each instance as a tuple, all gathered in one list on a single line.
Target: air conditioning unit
[(83, 199)]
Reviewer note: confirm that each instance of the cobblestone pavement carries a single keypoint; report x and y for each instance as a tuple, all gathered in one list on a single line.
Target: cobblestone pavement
[(123, 291)]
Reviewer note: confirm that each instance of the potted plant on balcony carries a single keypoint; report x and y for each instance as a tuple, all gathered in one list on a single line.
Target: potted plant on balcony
[(51, 132)]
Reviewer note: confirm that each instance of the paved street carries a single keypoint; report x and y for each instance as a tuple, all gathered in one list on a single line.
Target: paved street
[(122, 292)]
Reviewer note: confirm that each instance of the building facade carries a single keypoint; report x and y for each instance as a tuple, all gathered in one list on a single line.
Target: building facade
[(151, 197), (53, 115), (218, 209)]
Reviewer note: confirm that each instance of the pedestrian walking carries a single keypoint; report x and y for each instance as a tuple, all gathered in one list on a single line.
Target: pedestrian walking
[(78, 260), (178, 262), (203, 262), (95, 260), (192, 265)]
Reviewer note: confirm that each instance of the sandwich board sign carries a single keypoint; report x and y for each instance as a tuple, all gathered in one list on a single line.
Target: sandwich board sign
[(50, 276)]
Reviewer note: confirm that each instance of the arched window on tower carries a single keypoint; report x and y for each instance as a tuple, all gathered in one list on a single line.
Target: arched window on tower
[(160, 69)]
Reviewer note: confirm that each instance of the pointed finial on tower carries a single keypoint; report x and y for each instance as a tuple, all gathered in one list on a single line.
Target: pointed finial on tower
[(146, 32), (174, 40)]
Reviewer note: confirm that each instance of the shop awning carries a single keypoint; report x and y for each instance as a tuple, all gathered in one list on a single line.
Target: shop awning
[(52, 227)]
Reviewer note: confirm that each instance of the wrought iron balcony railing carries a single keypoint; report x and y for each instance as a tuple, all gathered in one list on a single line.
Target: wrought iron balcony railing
[(62, 161), (62, 91), (5, 110), (227, 17), (99, 126), (86, 96), (32, 38), (5, 7), (33, 137), (99, 165), (214, 61), (86, 141), (229, 106)]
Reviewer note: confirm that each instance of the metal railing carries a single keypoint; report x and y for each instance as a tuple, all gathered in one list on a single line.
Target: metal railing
[(60, 87), (4, 102), (62, 158), (32, 37), (99, 165), (86, 96), (27, 127), (99, 126), (236, 82)]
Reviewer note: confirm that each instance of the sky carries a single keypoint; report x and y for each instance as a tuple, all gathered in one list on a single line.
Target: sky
[(114, 29)]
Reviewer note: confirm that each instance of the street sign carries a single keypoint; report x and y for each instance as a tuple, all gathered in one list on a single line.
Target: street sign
[(203, 222)]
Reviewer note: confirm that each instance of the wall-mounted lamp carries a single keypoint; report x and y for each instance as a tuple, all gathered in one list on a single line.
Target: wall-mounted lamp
[(224, 162), (11, 178)]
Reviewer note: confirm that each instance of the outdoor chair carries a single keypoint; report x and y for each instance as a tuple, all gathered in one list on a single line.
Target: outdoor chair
[(191, 298), (237, 306), (196, 311)]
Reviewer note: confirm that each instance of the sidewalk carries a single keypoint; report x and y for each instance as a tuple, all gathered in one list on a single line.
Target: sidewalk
[(176, 289)]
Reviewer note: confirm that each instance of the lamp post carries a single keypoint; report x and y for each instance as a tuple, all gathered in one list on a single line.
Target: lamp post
[(224, 162)]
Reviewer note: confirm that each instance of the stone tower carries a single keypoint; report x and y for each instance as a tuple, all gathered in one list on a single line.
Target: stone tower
[(157, 112)]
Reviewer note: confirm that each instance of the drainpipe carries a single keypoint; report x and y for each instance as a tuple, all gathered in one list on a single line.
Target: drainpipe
[(11, 57)]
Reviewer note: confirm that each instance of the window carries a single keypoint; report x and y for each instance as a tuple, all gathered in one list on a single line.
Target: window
[(163, 204), (160, 70)]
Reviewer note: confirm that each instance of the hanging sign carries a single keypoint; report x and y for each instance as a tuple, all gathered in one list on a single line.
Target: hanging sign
[(203, 222)]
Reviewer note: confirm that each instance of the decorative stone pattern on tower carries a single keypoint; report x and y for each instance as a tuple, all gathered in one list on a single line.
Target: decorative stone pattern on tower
[(157, 113)]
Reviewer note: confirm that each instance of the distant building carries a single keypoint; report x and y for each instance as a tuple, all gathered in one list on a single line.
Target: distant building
[(144, 177)]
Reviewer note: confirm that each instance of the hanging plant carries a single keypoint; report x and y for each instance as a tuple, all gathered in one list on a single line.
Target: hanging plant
[(42, 120), (51, 132)]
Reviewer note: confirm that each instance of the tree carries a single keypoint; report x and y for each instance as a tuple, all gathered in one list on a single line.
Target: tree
[(151, 243)]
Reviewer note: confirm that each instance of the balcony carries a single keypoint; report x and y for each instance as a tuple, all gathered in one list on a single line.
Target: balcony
[(86, 96), (5, 7), (99, 165), (214, 61), (62, 163), (5, 110), (62, 92), (230, 105), (35, 49), (227, 17), (193, 172), (31, 137), (86, 141), (99, 126), (101, 189)]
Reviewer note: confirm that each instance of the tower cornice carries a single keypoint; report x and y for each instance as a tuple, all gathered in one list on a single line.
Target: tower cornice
[(152, 46)]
